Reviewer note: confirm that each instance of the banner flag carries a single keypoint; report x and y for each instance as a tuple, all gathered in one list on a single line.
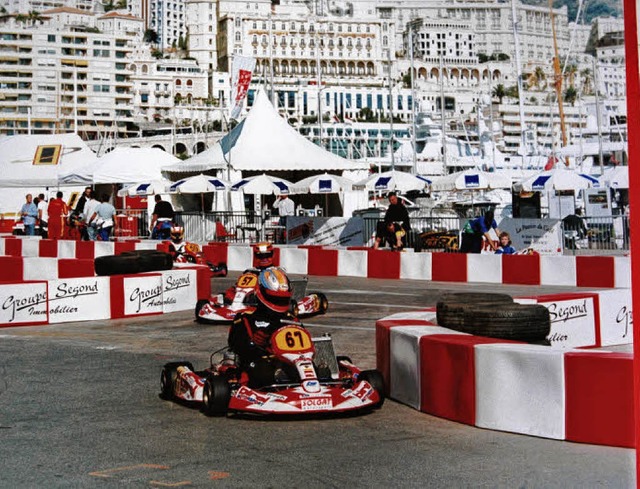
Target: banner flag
[(242, 69)]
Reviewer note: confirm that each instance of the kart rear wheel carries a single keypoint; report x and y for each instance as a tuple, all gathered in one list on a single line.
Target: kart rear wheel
[(324, 302), (374, 377), (215, 396)]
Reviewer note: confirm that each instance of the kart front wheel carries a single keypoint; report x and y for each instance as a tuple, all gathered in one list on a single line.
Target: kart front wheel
[(168, 378), (376, 380), (216, 394)]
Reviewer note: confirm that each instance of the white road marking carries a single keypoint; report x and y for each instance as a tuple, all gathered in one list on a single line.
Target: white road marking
[(373, 304), (367, 292)]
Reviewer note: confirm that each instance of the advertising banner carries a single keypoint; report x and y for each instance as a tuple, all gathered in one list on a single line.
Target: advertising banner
[(240, 78), (326, 231), (616, 317), (179, 290), (142, 295), (79, 299), (573, 322), (541, 235), (23, 303)]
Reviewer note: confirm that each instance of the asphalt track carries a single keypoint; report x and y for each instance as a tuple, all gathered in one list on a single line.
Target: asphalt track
[(79, 407)]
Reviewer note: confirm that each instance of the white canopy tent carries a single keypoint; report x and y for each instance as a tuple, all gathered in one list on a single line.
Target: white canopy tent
[(122, 165), (33, 163)]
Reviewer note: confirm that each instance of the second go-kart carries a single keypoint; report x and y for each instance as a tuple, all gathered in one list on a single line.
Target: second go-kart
[(241, 298), (191, 253), (299, 375)]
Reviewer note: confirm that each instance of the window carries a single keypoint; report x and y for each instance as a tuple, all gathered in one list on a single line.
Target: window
[(47, 155), (51, 38)]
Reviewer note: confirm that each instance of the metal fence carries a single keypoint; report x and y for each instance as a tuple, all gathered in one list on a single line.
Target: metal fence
[(610, 233)]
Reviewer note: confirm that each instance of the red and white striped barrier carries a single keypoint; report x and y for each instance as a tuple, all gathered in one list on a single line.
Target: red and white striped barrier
[(568, 394), (95, 298), (578, 271)]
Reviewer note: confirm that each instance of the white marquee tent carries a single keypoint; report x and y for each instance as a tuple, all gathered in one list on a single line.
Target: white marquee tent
[(123, 165)]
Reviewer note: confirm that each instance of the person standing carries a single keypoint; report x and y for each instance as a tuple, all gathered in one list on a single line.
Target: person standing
[(105, 217), (285, 207), (43, 216), (161, 219), (58, 212), (29, 213), (476, 230), (79, 209), (89, 208)]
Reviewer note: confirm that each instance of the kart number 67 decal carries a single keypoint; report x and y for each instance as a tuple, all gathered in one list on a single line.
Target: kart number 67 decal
[(292, 339)]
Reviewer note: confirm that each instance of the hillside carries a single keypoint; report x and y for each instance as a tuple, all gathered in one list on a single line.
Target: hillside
[(590, 9)]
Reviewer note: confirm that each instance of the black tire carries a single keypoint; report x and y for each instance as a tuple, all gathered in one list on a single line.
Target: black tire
[(451, 306), (216, 394), (519, 322), (374, 377), (152, 260), (117, 265), (324, 302), (168, 378)]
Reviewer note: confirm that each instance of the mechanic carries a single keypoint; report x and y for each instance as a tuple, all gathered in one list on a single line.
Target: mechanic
[(396, 215), (163, 214), (475, 230), (251, 332)]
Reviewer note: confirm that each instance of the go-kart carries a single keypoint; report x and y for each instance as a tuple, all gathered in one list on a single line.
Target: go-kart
[(298, 375), (225, 307), (191, 253)]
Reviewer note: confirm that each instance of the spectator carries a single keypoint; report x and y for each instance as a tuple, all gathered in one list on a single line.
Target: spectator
[(161, 219), (505, 247), (58, 213), (476, 230), (575, 222), (29, 213), (89, 208), (395, 224), (285, 207), (105, 218), (43, 216), (79, 209)]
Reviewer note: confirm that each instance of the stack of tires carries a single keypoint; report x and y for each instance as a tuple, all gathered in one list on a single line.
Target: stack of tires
[(494, 316), (131, 262)]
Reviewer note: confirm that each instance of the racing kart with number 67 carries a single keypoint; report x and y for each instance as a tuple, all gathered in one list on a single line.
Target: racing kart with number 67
[(297, 375)]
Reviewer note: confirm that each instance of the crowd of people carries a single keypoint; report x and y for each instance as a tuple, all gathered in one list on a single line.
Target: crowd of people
[(92, 218)]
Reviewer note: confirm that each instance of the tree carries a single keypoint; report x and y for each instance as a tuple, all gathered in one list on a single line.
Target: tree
[(406, 80), (570, 72), (537, 77), (366, 115), (499, 92), (570, 95), (150, 36), (512, 91), (587, 81), (482, 58)]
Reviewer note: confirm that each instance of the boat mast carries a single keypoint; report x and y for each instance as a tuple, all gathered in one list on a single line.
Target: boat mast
[(558, 80), (393, 161), (516, 47), (444, 123)]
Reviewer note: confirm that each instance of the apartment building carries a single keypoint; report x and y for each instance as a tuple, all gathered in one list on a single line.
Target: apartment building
[(168, 19)]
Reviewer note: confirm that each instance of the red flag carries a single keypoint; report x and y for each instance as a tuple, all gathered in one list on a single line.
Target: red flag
[(551, 162)]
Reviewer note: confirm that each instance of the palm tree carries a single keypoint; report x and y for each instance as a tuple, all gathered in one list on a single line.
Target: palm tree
[(499, 92), (537, 77), (570, 73), (587, 81), (570, 95)]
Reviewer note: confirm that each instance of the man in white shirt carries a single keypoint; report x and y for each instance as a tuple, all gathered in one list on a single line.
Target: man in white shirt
[(285, 207), (89, 208), (43, 215)]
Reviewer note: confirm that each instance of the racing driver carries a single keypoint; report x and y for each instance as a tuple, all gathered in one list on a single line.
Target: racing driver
[(251, 332), (262, 258)]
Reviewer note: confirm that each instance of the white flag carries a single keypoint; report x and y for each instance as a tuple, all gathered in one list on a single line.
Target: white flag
[(241, 71)]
